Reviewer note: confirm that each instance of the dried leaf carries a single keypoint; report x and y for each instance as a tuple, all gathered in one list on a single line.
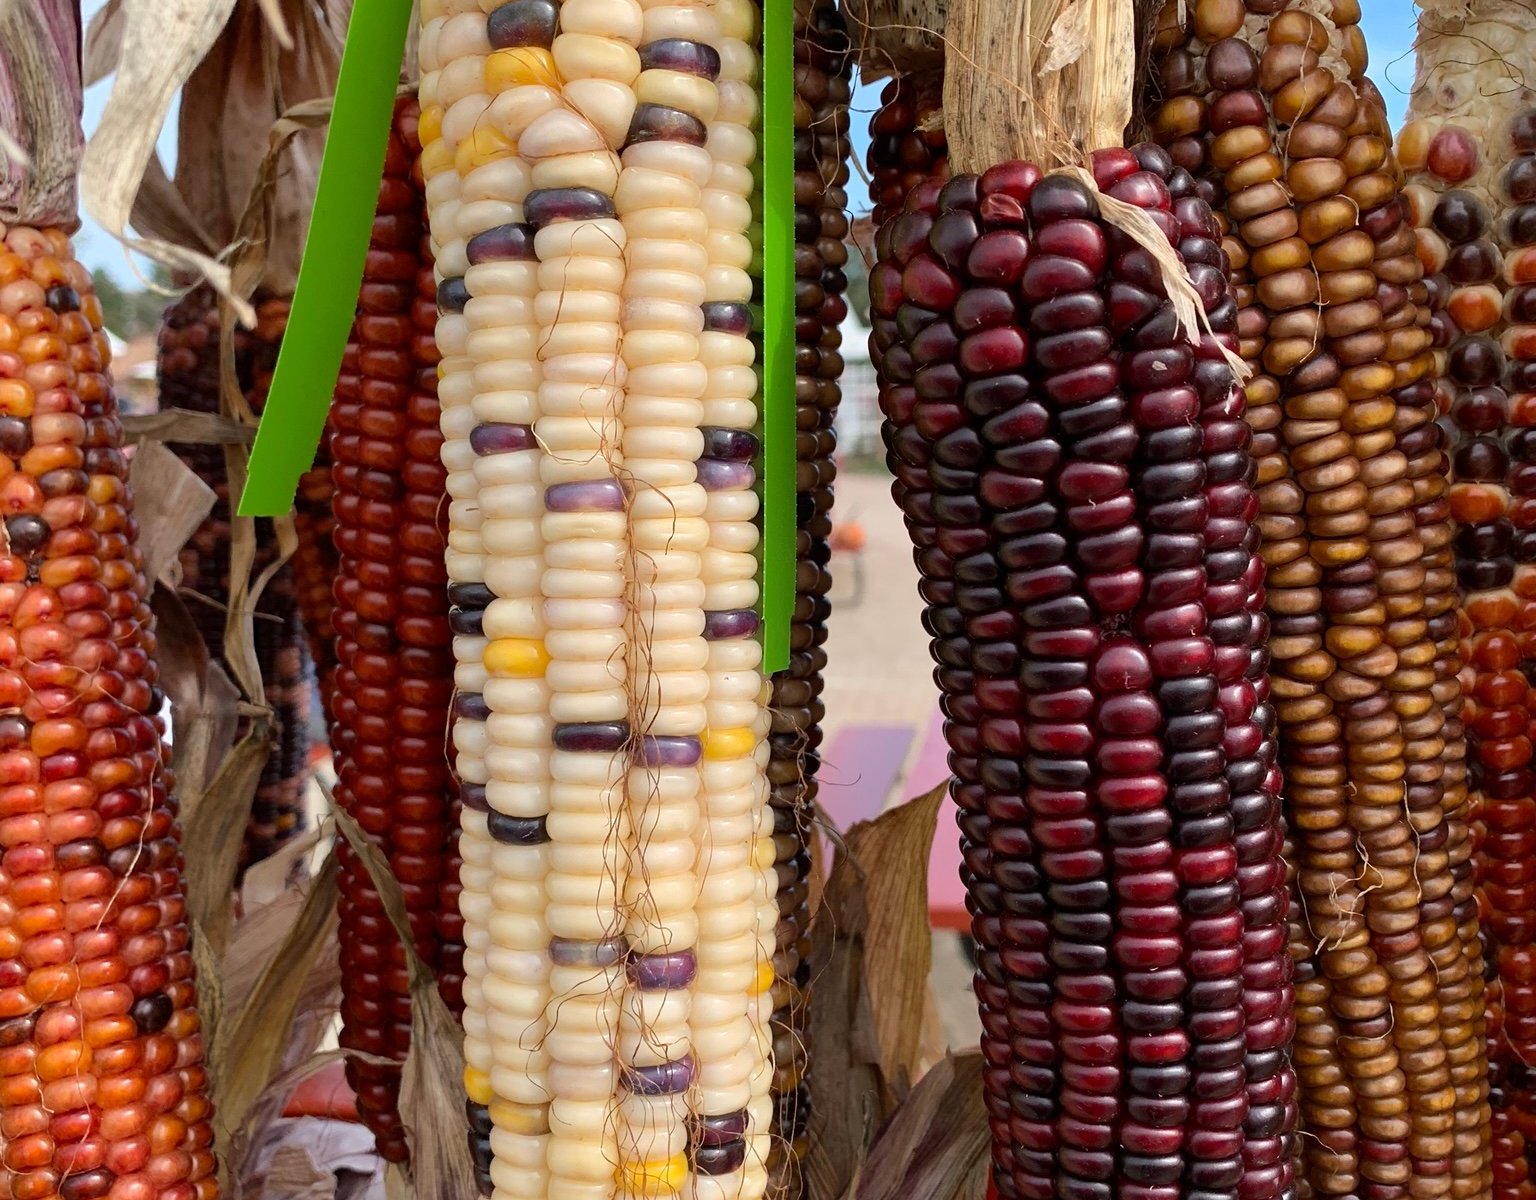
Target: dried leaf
[(190, 427), (40, 112), (161, 211), (432, 1080), (104, 42), (253, 1040), (937, 1145), (162, 41), (213, 829), (870, 953), (204, 704), (210, 986), (170, 502), (292, 1173)]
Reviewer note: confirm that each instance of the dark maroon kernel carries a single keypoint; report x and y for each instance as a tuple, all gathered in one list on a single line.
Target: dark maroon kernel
[(731, 623), (660, 1079), (998, 257), (26, 534), (544, 206), (660, 123), (679, 54), (731, 444), (523, 23), (452, 295), (502, 243), (719, 1159), (62, 298), (596, 737), (152, 1013), (501, 438), (726, 316), (516, 831)]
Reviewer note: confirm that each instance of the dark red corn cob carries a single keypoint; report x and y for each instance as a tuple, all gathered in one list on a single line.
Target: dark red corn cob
[(102, 1085), (394, 679), (188, 369), (1075, 473), (907, 142), (823, 67)]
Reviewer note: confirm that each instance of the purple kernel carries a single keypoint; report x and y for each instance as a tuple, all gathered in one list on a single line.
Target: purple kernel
[(597, 737), (517, 831), (721, 1159), (680, 54), (730, 623), (573, 952), (588, 495), (663, 972), (502, 243), (669, 751), (736, 445), (727, 316), (472, 797), (500, 437), (471, 706), (470, 595), (662, 123), (452, 295), (720, 475), (546, 205), (660, 1079), (523, 23), (467, 622), (717, 1131)]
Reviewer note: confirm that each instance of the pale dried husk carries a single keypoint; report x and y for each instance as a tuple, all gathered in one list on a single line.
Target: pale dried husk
[(40, 94), (895, 36)]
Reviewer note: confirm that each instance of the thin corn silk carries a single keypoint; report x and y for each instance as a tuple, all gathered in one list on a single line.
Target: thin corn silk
[(103, 1087), (1074, 472), (1268, 106), (598, 396), (1467, 150), (394, 626)]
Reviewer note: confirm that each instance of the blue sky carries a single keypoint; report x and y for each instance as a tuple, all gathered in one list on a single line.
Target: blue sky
[(1388, 24)]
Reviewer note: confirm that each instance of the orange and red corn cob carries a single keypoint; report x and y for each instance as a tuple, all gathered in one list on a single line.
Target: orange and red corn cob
[(102, 1085), (394, 679)]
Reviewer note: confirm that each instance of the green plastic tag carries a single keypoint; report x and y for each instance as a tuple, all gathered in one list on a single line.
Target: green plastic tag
[(776, 475), (325, 300)]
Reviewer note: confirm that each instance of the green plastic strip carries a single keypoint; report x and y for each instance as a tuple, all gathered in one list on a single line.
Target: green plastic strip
[(325, 299), (777, 475)]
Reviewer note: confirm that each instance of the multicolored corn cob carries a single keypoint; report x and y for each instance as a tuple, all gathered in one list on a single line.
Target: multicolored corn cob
[(1268, 105), (102, 1087), (393, 683), (188, 371), (589, 183), (1468, 149), (1074, 470), (823, 67)]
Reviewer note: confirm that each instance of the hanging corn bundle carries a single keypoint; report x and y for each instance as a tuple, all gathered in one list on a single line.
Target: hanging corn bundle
[(822, 89), (102, 1086), (394, 683), (1468, 149), (1071, 458), (588, 177), (187, 367), (1269, 107)]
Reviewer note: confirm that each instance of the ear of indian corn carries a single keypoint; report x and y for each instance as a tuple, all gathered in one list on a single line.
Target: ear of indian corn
[(906, 144), (588, 181), (1468, 149), (102, 1087), (1074, 471), (187, 370), (1268, 105), (389, 708)]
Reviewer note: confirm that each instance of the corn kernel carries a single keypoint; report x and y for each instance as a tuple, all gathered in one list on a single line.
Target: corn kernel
[(519, 658), (763, 853), (430, 126), (485, 145), (765, 978), (519, 65), (728, 743), (436, 159), (477, 1086), (530, 1120), (656, 1177)]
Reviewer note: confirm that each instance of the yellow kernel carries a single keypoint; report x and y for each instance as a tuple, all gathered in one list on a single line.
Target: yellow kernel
[(765, 978), (764, 854), (657, 1177), (519, 65), (728, 743), (520, 658), (430, 127), (435, 159), (477, 1086), (530, 1120), (483, 146)]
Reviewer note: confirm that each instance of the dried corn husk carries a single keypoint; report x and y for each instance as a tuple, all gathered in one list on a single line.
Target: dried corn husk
[(40, 93)]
